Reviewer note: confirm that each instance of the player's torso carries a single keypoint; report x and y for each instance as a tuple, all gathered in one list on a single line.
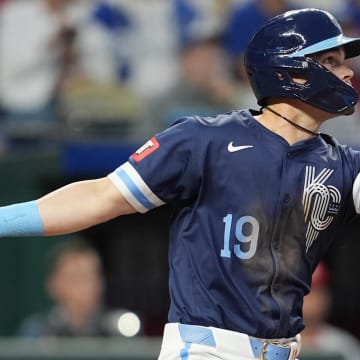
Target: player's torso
[(264, 213)]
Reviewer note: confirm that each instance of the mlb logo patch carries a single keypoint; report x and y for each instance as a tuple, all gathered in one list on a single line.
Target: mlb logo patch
[(145, 150)]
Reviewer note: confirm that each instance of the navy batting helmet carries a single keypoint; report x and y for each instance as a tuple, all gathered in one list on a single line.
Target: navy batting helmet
[(279, 51)]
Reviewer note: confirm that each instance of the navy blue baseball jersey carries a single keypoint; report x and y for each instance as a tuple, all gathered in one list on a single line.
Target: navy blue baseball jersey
[(252, 217)]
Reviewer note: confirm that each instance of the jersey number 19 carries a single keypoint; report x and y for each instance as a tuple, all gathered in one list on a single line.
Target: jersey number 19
[(246, 233)]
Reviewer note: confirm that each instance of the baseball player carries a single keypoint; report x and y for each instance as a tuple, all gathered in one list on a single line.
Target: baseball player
[(257, 196)]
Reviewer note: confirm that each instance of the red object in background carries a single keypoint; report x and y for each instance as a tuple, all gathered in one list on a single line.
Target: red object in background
[(320, 276)]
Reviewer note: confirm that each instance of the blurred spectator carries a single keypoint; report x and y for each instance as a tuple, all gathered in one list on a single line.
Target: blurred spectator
[(75, 285), (151, 46), (36, 51), (117, 23), (197, 18), (127, 51), (205, 86), (65, 60), (95, 96), (319, 337), (244, 20)]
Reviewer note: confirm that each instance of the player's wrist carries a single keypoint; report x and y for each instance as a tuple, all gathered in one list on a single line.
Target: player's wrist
[(22, 219)]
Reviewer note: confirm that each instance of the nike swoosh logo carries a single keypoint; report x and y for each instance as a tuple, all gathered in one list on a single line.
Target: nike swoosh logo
[(232, 148)]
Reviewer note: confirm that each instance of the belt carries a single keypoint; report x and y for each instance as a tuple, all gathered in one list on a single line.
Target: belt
[(268, 351), (262, 349)]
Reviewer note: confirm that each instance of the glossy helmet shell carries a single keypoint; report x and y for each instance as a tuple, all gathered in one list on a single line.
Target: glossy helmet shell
[(280, 50)]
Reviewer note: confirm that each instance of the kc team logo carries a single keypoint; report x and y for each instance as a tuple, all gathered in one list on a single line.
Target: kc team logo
[(145, 150), (321, 202)]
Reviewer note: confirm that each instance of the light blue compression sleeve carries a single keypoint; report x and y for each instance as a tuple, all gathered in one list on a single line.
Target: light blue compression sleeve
[(22, 219)]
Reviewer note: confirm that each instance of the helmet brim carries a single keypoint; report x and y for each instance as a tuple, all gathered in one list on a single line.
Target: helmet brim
[(350, 44)]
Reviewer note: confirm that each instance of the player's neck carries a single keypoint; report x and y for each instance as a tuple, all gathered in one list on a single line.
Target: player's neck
[(289, 122)]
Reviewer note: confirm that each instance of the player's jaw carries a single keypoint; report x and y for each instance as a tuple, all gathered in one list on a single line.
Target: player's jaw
[(335, 61)]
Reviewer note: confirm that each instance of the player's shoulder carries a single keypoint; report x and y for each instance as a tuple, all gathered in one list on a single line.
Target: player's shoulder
[(333, 143), (348, 154), (232, 118)]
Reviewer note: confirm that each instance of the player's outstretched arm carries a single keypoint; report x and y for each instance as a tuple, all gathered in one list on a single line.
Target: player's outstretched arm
[(71, 208)]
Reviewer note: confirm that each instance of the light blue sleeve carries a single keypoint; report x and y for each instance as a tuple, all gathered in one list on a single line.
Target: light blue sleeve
[(22, 219)]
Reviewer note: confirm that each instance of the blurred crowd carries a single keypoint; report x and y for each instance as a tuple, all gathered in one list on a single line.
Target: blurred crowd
[(128, 68), (320, 336), (75, 285), (74, 282)]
